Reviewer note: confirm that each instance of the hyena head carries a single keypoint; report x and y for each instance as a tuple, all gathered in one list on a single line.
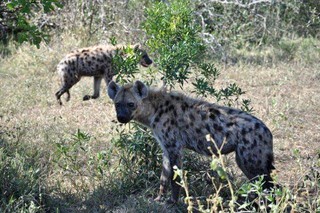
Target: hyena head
[(127, 99), (144, 60)]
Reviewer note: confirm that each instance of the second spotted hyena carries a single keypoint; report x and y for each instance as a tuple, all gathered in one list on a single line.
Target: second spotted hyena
[(93, 61), (179, 121)]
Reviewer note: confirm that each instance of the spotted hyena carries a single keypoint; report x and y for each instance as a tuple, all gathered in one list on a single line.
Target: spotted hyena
[(93, 61), (179, 121)]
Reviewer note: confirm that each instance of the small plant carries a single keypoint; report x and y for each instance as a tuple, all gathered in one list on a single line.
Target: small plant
[(138, 150), (68, 154)]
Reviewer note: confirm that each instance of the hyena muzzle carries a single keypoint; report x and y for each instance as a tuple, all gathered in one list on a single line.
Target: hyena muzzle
[(94, 62), (179, 121)]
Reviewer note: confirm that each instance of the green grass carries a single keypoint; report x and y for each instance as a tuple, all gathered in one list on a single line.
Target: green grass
[(63, 159)]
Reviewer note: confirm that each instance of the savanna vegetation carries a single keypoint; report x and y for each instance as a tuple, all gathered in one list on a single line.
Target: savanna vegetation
[(260, 56)]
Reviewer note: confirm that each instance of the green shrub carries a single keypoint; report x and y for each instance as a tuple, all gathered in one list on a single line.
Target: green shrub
[(16, 20)]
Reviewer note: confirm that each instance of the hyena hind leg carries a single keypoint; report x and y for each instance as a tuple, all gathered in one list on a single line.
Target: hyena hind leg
[(64, 89), (96, 89), (253, 168)]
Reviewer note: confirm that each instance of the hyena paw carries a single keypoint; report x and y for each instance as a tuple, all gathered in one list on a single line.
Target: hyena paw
[(86, 97)]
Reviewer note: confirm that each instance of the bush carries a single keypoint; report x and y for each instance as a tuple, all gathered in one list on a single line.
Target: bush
[(16, 20)]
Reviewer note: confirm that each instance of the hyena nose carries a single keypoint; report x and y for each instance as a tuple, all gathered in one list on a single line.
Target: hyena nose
[(123, 119)]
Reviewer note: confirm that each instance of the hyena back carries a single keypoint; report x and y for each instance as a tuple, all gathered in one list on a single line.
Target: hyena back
[(93, 61), (178, 122)]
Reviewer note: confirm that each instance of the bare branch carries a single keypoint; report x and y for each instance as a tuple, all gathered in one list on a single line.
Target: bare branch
[(238, 3)]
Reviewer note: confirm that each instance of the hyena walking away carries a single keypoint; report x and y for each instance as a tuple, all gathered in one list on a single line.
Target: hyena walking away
[(93, 61), (178, 122)]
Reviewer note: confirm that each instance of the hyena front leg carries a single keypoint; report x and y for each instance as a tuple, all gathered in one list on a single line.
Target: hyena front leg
[(165, 175), (175, 160), (170, 159), (96, 89)]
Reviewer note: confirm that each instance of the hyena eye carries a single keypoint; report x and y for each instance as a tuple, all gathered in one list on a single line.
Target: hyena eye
[(130, 105)]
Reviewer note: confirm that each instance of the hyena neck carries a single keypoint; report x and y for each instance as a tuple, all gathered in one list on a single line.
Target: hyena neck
[(150, 105)]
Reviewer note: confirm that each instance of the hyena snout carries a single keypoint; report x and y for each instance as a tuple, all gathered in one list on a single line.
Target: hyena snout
[(145, 61), (123, 116), (123, 119)]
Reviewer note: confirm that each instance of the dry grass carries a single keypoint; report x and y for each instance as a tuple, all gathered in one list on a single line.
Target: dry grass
[(285, 96)]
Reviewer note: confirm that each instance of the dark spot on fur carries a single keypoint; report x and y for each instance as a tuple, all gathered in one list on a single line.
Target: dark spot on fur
[(243, 132), (175, 113), (217, 127), (212, 116), (208, 127), (257, 125), (93, 58), (269, 162), (104, 56), (266, 130), (215, 111), (160, 113), (187, 126), (198, 130), (248, 119), (255, 143), (167, 103), (173, 122), (156, 120), (245, 141), (260, 137), (191, 116), (231, 111), (83, 51), (230, 124), (171, 107), (166, 135), (184, 106)]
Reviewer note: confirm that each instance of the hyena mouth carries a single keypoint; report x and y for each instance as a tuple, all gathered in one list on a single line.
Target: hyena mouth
[(144, 64)]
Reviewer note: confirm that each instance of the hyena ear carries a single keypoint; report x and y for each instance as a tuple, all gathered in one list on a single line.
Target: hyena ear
[(113, 89), (140, 89), (136, 47)]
